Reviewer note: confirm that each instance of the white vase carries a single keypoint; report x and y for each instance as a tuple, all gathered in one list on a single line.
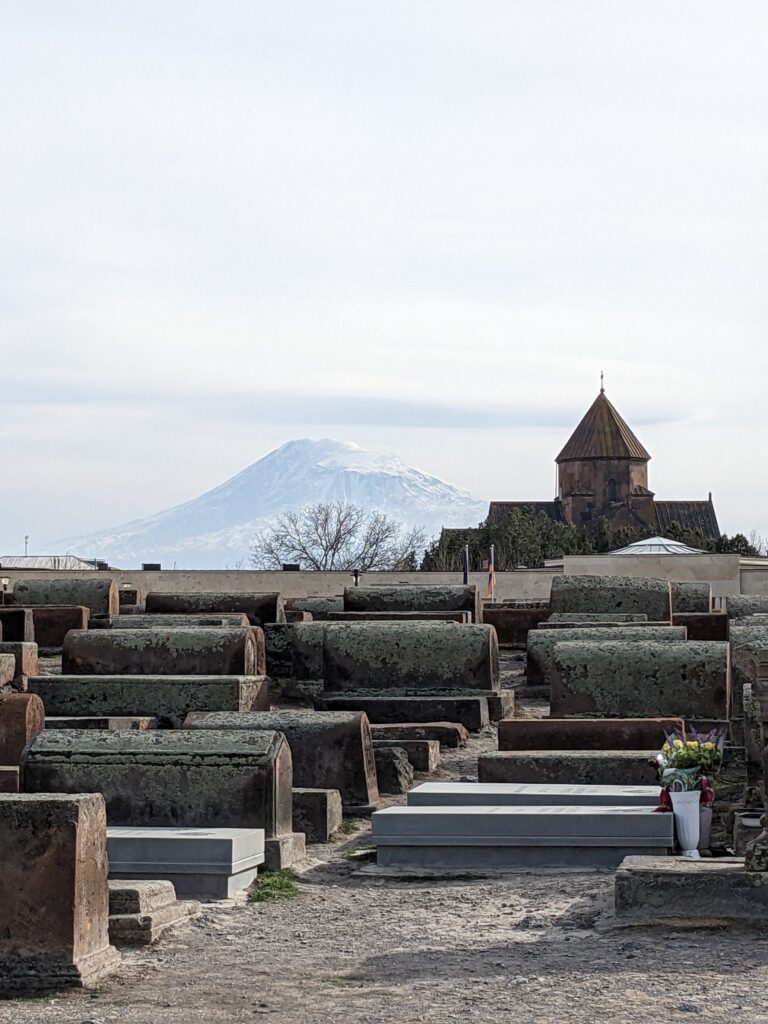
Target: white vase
[(686, 809)]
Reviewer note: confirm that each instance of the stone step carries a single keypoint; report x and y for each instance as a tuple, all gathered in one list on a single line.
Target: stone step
[(139, 896), (203, 863), (145, 928), (9, 779), (470, 794), (469, 711), (424, 755), (108, 722), (448, 734), (569, 767), (484, 837), (317, 813)]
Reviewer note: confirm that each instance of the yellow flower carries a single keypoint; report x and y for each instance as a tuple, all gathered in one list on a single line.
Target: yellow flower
[(692, 744), (709, 745), (678, 743), (666, 748)]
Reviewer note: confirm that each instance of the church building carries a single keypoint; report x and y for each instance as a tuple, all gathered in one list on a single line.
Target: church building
[(602, 472)]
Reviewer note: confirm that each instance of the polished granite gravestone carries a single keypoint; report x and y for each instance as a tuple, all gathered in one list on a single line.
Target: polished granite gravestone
[(202, 863), (486, 837), (469, 794)]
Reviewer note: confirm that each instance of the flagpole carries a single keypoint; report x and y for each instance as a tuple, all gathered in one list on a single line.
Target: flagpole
[(493, 577), (466, 565)]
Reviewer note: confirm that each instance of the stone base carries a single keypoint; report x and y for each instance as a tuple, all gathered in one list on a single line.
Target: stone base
[(140, 912), (501, 705), (393, 770), (569, 767), (500, 794), (424, 755), (688, 893), (9, 779), (448, 734), (317, 813), (110, 723), (585, 733), (202, 863), (284, 851), (36, 975), (471, 712)]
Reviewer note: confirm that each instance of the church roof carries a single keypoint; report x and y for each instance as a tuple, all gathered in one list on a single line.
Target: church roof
[(692, 515), (602, 434)]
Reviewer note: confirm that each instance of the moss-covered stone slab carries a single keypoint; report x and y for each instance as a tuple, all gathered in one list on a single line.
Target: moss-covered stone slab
[(203, 651), (612, 594)]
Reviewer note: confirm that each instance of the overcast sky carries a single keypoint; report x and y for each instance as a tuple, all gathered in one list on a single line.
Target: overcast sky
[(421, 225)]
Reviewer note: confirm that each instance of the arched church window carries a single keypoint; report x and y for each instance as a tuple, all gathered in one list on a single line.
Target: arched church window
[(611, 490)]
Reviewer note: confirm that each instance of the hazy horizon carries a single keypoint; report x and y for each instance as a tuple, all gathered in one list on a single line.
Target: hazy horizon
[(425, 228)]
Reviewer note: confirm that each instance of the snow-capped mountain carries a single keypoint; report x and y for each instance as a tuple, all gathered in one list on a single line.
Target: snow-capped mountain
[(215, 530)]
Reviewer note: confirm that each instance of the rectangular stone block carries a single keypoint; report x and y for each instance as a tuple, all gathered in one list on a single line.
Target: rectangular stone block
[(641, 680), (685, 892), (17, 624), (569, 767), (501, 705), (7, 670), (144, 929), (284, 851), (161, 652), (53, 622), (471, 712), (260, 608), (9, 779), (129, 596), (170, 778), (317, 813), (393, 769), (700, 626), (593, 618), (518, 794), (21, 717), (101, 722), (54, 904), (585, 733), (422, 616), (448, 734), (484, 837), (25, 657), (220, 620), (424, 755), (99, 594), (202, 863), (168, 698), (624, 594), (512, 624), (414, 597)]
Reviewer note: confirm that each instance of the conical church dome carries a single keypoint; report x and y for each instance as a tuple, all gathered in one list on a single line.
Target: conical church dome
[(602, 434)]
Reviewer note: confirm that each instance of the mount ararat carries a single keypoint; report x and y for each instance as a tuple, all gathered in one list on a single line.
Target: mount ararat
[(214, 530)]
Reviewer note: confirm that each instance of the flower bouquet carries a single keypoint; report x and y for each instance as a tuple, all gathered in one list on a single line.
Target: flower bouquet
[(686, 764)]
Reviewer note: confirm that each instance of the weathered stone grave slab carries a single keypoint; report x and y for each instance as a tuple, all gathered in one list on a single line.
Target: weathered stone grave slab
[(54, 904), (201, 863), (691, 596), (329, 749), (102, 722), (394, 770), (22, 716), (628, 594), (170, 778), (404, 597), (260, 608), (469, 711), (17, 625), (585, 733), (9, 779), (25, 658), (701, 626), (644, 679), (177, 652), (99, 595), (492, 837), (317, 813), (233, 620), (165, 697), (53, 622), (569, 767), (424, 755), (317, 607), (513, 624), (410, 655), (541, 644), (448, 734), (7, 670), (591, 618), (422, 616), (140, 913)]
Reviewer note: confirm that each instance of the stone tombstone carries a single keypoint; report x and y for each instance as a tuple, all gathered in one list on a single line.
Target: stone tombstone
[(427, 616), (7, 671), (645, 679), (53, 622), (145, 621), (741, 606), (185, 777), (410, 655), (167, 698), (100, 595), (417, 597), (585, 733), (17, 624), (513, 624), (25, 660), (612, 594), (195, 651), (541, 643), (260, 608), (54, 899), (329, 749), (691, 597), (21, 717), (318, 607), (597, 617)]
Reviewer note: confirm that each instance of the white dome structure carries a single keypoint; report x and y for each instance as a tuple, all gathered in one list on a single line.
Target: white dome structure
[(658, 546)]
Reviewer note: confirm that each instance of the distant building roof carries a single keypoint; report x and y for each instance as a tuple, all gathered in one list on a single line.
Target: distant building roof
[(44, 562), (602, 434), (691, 515), (499, 509), (657, 546)]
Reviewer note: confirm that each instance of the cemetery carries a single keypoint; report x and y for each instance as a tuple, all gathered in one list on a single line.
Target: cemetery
[(163, 756)]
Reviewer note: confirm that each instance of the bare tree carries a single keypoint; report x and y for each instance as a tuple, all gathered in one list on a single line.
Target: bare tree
[(333, 535)]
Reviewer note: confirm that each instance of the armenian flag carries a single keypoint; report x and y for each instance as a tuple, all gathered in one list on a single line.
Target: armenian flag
[(491, 575), (466, 565)]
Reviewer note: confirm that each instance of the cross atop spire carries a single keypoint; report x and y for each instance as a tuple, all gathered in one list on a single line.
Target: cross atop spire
[(602, 387)]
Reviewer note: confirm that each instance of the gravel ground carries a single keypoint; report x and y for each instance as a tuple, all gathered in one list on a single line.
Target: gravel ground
[(529, 947)]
